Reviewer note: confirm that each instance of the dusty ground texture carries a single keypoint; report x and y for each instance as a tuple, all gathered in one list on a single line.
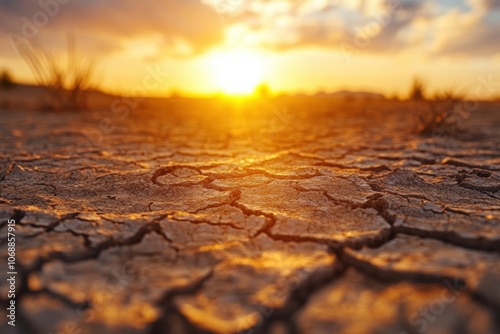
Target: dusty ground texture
[(309, 219)]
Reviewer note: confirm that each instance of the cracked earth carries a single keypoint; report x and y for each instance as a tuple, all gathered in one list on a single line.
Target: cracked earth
[(277, 221)]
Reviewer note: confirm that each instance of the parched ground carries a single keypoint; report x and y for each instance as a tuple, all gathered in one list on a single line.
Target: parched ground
[(253, 219)]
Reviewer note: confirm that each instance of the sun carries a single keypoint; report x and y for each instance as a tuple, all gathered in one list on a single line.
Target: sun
[(237, 72)]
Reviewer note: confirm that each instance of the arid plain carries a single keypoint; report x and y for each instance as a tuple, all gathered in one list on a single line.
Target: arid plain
[(284, 215)]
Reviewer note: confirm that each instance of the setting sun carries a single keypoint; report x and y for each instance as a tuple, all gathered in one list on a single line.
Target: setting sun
[(237, 72)]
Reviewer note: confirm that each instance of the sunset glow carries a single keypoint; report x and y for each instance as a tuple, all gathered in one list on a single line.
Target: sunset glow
[(212, 46)]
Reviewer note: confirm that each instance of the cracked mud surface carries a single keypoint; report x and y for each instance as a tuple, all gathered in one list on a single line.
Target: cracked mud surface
[(252, 222)]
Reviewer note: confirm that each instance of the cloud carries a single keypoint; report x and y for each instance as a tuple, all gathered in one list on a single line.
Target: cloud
[(468, 33), (486, 4), (374, 26), (191, 27), (190, 23), (453, 27)]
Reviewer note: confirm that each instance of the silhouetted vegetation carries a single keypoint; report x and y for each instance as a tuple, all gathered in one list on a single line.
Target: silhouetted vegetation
[(263, 91), (417, 91), (394, 97), (66, 82), (447, 95), (444, 115), (6, 81)]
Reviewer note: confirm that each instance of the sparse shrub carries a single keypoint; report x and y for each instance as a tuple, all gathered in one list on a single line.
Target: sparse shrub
[(262, 91), (66, 82), (6, 81), (394, 97), (417, 91), (444, 115), (447, 95)]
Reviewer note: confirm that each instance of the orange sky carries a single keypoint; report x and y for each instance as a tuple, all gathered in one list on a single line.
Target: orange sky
[(207, 46)]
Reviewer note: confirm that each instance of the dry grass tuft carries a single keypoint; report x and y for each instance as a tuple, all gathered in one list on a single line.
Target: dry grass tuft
[(66, 82), (444, 115), (6, 81), (417, 91)]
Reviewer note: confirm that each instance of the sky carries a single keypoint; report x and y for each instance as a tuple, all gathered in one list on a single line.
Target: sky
[(203, 47)]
